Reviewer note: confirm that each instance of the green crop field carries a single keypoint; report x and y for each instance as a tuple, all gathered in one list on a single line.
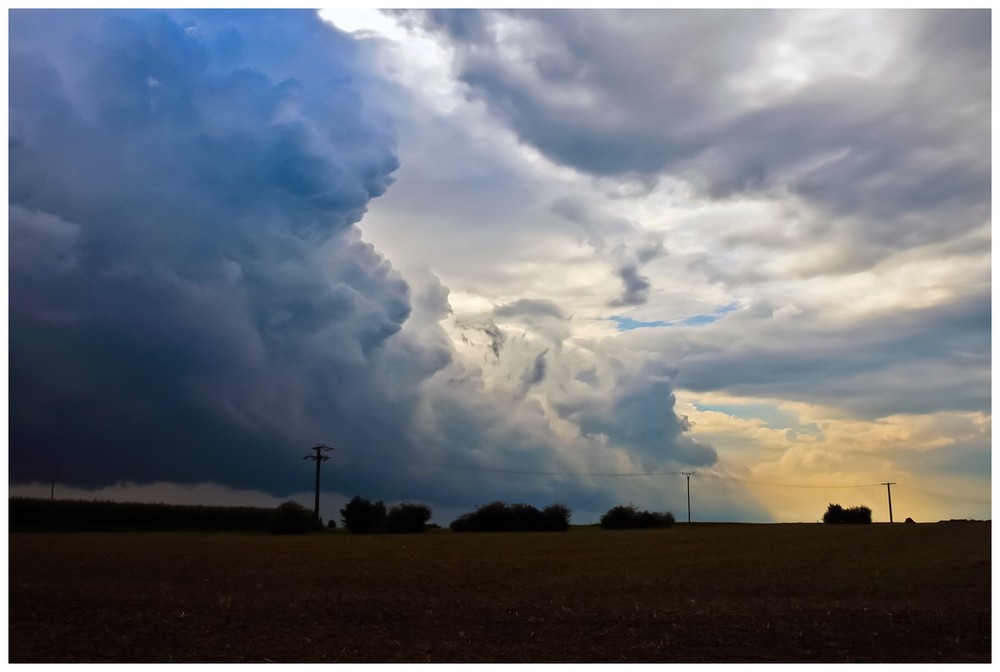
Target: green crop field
[(690, 593)]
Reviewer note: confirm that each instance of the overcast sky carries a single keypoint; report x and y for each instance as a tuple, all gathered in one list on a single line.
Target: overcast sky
[(536, 256)]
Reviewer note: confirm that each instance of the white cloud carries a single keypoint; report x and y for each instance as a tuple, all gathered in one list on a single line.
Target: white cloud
[(796, 269)]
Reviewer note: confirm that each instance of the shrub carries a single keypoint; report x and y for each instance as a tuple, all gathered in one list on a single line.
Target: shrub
[(619, 518), (363, 516), (332, 524), (556, 518), (407, 518), (291, 518), (630, 518), (836, 515), (499, 517), (527, 518), (462, 524), (493, 517)]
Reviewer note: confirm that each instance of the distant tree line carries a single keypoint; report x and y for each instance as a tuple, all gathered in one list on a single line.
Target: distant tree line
[(28, 513), (836, 514), (630, 518), (359, 515), (500, 517)]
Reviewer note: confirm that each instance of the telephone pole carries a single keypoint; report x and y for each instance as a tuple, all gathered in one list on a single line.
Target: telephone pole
[(319, 457), (688, 475), (888, 490)]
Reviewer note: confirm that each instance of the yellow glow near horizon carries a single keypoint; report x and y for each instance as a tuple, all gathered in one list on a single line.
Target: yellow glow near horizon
[(787, 472)]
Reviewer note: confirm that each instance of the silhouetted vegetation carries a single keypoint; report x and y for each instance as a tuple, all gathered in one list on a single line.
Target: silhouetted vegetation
[(836, 514), (363, 516), (28, 513), (292, 518), (556, 517), (499, 517), (408, 518), (630, 518)]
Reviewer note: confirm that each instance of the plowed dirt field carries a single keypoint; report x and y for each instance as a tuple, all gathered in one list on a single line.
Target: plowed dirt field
[(690, 593)]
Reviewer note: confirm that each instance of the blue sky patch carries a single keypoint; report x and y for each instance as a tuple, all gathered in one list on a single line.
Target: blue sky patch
[(772, 416), (628, 324)]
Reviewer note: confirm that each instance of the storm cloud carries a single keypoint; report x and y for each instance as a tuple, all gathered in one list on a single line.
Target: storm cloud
[(492, 254), (891, 133), (191, 299), (188, 294)]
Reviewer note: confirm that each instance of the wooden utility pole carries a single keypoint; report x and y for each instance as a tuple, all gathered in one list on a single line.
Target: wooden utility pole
[(319, 457), (888, 489), (688, 475)]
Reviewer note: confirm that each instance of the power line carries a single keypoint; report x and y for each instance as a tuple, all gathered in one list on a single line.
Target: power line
[(971, 500), (522, 472), (686, 474), (386, 458), (519, 472), (795, 485)]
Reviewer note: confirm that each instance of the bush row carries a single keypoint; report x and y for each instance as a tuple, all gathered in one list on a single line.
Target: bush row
[(630, 518), (366, 517), (836, 514), (499, 517)]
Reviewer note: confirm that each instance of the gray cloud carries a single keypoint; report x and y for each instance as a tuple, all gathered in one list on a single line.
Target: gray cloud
[(542, 317), (637, 409), (535, 373), (529, 308), (496, 336), (620, 241), (628, 93), (636, 287), (603, 119), (918, 361)]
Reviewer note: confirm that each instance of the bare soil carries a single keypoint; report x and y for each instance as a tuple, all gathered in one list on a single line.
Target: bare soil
[(690, 593)]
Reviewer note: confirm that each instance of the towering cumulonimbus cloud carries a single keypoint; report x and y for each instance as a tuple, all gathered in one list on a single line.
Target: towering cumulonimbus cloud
[(191, 301), (185, 274)]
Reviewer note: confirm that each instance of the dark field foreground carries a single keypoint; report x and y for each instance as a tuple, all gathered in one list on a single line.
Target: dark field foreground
[(691, 593)]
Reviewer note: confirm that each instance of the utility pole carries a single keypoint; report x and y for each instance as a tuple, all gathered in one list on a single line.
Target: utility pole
[(688, 475), (319, 457), (888, 489)]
